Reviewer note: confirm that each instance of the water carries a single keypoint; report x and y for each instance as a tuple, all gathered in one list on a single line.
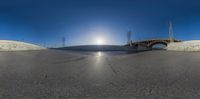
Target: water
[(104, 53)]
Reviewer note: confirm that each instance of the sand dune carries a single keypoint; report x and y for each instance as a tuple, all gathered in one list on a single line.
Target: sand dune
[(7, 45)]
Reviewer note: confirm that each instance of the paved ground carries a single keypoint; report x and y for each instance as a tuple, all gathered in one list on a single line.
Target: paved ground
[(54, 74)]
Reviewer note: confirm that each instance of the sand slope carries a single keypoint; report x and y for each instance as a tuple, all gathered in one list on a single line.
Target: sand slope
[(7, 45)]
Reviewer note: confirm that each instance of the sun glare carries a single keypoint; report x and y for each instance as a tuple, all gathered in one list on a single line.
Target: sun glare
[(99, 41)]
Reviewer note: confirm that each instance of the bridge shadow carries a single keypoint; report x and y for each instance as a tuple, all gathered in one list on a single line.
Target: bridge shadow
[(146, 50)]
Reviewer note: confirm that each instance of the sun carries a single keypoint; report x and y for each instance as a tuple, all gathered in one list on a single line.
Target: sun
[(100, 41)]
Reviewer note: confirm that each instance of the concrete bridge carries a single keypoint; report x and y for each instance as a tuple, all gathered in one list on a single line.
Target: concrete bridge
[(150, 43)]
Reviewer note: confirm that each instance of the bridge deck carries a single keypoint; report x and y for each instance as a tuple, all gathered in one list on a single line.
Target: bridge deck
[(151, 42)]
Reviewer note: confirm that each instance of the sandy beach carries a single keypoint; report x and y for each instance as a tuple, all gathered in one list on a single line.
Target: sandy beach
[(54, 74)]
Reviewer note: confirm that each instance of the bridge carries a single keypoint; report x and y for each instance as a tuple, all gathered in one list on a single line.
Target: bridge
[(150, 43)]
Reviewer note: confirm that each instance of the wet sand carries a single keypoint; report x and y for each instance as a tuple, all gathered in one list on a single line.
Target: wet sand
[(53, 74)]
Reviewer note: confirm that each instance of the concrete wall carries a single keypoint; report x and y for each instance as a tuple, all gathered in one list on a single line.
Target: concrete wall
[(193, 45), (6, 45)]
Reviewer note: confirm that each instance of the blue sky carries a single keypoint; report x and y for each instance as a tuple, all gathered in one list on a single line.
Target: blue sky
[(45, 22)]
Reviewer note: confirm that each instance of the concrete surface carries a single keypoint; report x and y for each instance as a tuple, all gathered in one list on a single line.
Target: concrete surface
[(9, 45), (52, 74), (193, 45)]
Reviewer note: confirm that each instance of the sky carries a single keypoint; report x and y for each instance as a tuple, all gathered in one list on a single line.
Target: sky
[(83, 22)]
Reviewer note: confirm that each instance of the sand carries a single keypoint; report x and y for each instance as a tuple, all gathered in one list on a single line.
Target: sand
[(53, 74)]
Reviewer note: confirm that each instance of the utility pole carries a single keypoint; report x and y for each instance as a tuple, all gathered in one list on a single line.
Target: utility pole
[(129, 41), (171, 33), (63, 41)]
